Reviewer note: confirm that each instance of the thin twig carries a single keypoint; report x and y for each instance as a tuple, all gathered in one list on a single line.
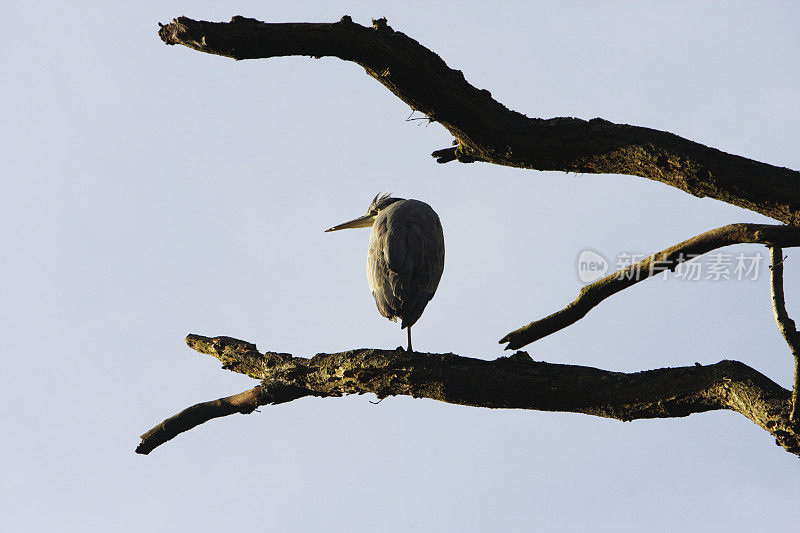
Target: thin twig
[(785, 324)]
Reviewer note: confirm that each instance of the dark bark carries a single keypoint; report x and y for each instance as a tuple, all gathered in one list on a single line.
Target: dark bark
[(514, 382), (594, 293), (485, 130)]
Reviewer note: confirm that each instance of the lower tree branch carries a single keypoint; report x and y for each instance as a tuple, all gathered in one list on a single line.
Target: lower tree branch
[(594, 293), (785, 324), (514, 382), (486, 130)]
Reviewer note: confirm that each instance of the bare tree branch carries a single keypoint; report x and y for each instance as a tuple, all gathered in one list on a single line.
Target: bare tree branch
[(514, 382), (594, 293), (785, 324), (485, 130)]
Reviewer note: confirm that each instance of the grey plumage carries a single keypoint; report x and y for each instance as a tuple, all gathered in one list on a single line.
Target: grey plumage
[(405, 259)]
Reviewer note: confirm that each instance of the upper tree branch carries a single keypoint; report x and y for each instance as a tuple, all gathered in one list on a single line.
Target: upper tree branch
[(486, 130), (515, 382), (594, 293)]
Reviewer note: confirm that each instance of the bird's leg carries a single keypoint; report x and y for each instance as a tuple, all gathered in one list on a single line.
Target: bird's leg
[(410, 349)]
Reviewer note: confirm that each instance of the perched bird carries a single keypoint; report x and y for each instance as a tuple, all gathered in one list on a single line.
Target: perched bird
[(405, 260)]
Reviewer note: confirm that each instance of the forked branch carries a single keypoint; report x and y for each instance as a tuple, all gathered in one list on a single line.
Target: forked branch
[(514, 382), (594, 293), (485, 130)]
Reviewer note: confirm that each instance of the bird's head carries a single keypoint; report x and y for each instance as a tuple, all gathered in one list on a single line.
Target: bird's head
[(379, 203)]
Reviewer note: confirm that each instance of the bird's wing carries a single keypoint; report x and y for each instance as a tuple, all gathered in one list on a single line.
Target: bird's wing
[(378, 272), (406, 260)]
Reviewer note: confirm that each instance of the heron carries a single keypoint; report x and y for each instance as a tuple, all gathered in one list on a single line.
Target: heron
[(405, 259)]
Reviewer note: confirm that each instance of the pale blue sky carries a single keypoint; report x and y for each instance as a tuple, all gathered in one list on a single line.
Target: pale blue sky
[(153, 191)]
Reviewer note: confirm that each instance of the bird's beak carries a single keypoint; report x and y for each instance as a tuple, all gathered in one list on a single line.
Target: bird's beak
[(360, 222)]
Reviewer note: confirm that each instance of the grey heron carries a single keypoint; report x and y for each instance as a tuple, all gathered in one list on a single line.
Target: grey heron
[(405, 259)]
